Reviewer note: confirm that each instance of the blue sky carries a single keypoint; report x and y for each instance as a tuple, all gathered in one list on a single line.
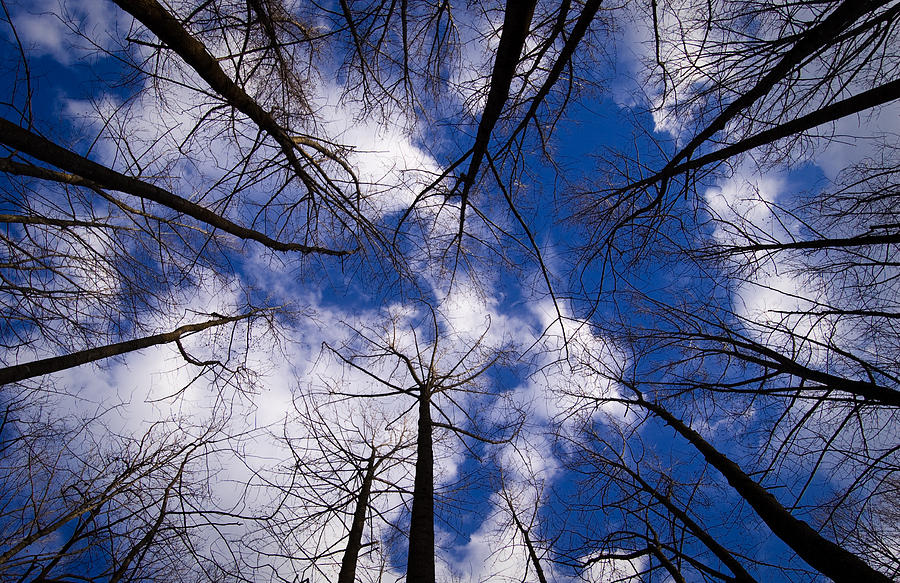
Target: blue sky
[(560, 322)]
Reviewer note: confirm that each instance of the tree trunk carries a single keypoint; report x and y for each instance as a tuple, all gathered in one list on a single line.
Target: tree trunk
[(516, 24), (21, 372), (88, 173), (354, 539), (420, 561), (827, 557), (740, 574), (532, 552)]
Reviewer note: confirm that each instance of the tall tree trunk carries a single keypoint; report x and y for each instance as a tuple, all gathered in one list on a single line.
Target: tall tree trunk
[(172, 33), (827, 557), (85, 172), (420, 560), (21, 372), (532, 552), (516, 24), (354, 539), (740, 574)]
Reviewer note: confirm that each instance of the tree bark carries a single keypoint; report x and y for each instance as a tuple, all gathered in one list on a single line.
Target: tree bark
[(21, 372), (91, 174), (724, 555), (820, 35), (588, 13), (516, 22), (827, 557), (171, 32), (420, 560), (812, 40), (772, 359), (532, 552), (354, 538), (862, 240), (851, 106)]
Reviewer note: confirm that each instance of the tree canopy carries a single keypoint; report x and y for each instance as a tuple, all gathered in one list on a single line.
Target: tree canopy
[(375, 290)]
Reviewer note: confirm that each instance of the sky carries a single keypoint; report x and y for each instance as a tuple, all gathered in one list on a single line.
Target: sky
[(307, 383)]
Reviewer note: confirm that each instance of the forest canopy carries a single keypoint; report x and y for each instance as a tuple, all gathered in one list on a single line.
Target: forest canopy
[(429, 291)]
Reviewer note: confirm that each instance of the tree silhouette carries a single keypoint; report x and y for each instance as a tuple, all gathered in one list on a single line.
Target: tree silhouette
[(308, 290)]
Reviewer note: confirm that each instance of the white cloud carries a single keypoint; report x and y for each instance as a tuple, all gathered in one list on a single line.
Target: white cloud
[(615, 570), (770, 293), (575, 374), (391, 168), (857, 138), (742, 207), (46, 28)]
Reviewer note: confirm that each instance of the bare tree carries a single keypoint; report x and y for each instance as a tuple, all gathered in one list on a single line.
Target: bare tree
[(345, 478), (775, 336), (115, 513), (440, 372), (659, 525), (743, 93), (207, 152)]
